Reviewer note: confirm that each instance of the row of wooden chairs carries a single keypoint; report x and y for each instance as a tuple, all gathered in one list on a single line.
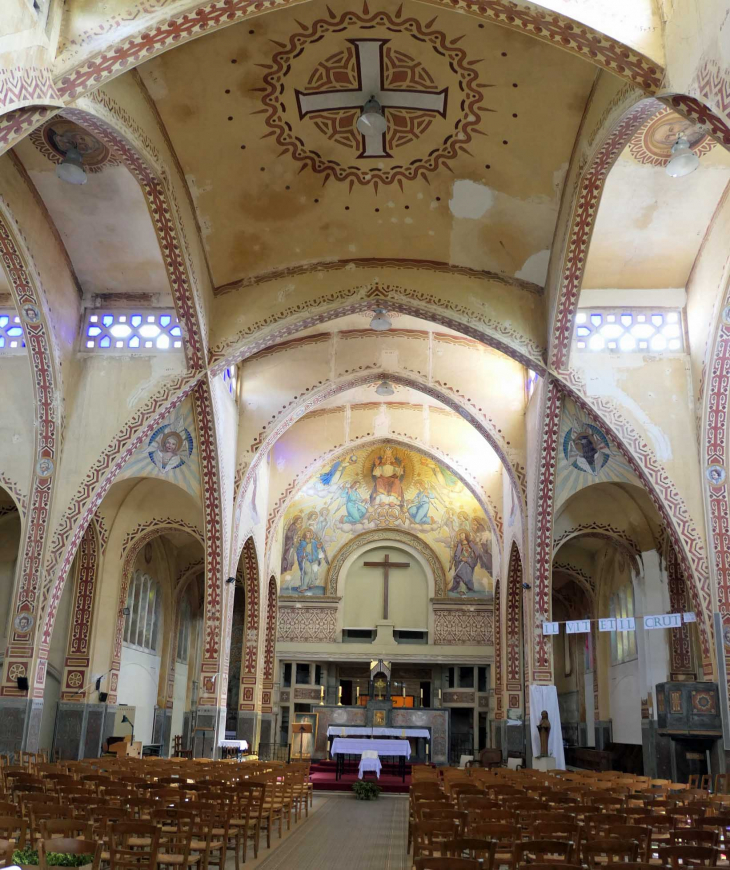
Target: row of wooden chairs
[(237, 802)]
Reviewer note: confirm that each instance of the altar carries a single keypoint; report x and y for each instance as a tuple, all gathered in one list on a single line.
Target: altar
[(425, 729)]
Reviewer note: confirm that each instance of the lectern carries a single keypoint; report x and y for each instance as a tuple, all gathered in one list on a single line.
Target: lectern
[(301, 728)]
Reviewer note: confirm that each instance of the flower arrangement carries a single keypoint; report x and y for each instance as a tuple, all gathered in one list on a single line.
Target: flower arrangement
[(366, 791)]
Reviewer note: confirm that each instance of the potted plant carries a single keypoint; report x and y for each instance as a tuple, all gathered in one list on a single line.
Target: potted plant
[(366, 791), (30, 858)]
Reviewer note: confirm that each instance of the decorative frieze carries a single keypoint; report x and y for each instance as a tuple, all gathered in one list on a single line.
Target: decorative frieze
[(307, 624), (462, 626)]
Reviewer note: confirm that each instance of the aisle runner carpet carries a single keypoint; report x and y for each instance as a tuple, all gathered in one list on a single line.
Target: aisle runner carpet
[(358, 835)]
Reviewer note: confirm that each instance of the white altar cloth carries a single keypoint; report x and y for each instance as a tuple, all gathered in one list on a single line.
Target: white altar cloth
[(240, 745), (359, 730), (369, 761), (342, 746)]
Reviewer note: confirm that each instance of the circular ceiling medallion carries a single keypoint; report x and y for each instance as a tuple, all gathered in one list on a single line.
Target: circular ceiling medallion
[(318, 83), (56, 137), (652, 143)]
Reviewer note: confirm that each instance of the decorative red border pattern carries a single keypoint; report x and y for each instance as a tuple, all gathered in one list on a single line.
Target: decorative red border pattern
[(583, 219), (542, 669)]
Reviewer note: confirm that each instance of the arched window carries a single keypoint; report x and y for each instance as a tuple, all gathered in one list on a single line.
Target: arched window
[(144, 605), (183, 632)]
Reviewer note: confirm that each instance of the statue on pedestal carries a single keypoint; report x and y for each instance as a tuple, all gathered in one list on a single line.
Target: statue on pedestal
[(543, 729)]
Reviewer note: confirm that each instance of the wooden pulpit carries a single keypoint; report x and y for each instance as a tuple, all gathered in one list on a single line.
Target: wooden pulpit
[(300, 729)]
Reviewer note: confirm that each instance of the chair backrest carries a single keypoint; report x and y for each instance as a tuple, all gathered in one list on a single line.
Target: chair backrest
[(598, 853), (698, 836), (14, 828), (683, 856), (443, 863), (125, 855), (541, 851), (501, 831), (70, 846), (66, 829), (471, 847)]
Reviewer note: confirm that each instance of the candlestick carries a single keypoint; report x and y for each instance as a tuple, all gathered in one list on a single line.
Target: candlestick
[(357, 690), (321, 696), (404, 691), (422, 697), (339, 696)]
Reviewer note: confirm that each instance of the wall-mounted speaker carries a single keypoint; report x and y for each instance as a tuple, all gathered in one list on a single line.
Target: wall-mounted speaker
[(102, 697), (23, 684)]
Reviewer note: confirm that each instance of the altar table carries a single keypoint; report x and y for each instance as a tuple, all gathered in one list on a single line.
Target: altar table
[(342, 747), (362, 731)]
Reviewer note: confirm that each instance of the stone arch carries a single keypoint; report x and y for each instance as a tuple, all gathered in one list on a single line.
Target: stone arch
[(278, 512), (379, 536), (29, 298), (315, 397), (133, 543)]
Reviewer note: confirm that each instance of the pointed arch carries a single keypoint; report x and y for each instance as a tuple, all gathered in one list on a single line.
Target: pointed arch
[(249, 565)]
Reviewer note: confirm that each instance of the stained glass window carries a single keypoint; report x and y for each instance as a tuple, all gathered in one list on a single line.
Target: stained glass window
[(634, 330), (120, 331), (144, 602), (12, 339)]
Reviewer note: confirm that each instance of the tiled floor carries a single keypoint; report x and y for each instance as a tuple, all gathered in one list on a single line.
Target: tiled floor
[(342, 834)]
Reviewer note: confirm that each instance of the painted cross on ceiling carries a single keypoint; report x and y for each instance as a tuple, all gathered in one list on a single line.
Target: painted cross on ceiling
[(371, 83)]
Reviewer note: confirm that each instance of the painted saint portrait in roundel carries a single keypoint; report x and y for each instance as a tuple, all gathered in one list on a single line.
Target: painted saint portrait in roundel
[(170, 447), (586, 448)]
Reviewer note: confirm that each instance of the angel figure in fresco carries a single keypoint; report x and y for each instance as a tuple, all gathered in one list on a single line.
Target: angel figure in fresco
[(481, 542), (464, 560), (355, 506), (320, 529), (289, 550), (169, 447), (336, 471), (387, 471), (448, 523), (587, 451), (420, 505), (310, 555)]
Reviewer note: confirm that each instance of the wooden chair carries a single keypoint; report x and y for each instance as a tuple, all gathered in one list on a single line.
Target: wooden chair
[(467, 847), (71, 846), (133, 846), (14, 830), (689, 856), (640, 833), (432, 837), (444, 863), (571, 831), (694, 836), (45, 812), (598, 853), (542, 852)]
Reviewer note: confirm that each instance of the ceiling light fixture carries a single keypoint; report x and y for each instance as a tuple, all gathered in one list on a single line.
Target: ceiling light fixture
[(380, 321), (683, 159), (385, 388), (71, 169), (372, 119)]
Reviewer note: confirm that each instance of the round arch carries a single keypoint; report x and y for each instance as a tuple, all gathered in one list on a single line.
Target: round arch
[(277, 514), (347, 554)]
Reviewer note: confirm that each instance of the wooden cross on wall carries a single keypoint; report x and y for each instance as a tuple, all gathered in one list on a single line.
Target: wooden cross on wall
[(386, 565)]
